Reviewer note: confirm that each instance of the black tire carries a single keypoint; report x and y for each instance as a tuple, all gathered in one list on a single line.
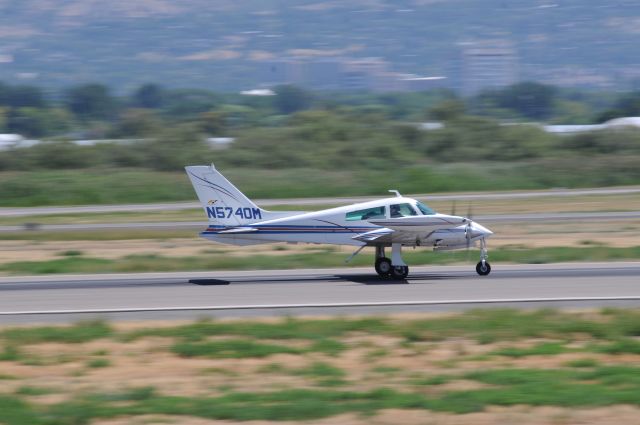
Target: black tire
[(399, 272), (483, 269), (383, 266)]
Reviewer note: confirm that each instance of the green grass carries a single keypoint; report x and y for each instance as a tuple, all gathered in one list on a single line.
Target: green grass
[(34, 391), (98, 363), (120, 185), (621, 346), (481, 325), (321, 331), (583, 363), (603, 386), (78, 333), (431, 380), (543, 349), (159, 263), (231, 349), (325, 374)]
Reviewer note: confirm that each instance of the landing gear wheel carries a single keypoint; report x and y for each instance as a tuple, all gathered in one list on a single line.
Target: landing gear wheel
[(400, 272), (383, 266), (483, 268)]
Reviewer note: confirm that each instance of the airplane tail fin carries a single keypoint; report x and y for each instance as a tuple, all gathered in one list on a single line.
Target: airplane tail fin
[(223, 203)]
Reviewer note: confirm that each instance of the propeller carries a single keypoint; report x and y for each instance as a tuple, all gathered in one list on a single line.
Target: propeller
[(467, 230)]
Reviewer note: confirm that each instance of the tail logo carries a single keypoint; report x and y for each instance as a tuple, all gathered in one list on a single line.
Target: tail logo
[(211, 202)]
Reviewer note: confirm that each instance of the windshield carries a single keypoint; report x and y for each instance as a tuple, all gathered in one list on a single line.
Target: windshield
[(425, 210)]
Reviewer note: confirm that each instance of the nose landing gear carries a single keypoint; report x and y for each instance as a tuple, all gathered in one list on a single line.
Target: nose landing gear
[(483, 268)]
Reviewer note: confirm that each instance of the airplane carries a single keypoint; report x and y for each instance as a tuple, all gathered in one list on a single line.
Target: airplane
[(392, 222)]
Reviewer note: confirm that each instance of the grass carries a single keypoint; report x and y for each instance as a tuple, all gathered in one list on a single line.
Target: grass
[(231, 349), (159, 263), (34, 391), (325, 374), (98, 363), (121, 185), (543, 349), (481, 325), (78, 333), (331, 389), (583, 363), (509, 387), (320, 331)]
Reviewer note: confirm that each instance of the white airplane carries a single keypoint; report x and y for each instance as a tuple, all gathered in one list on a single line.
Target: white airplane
[(392, 222)]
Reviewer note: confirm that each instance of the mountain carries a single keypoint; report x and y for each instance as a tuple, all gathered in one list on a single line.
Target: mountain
[(219, 44)]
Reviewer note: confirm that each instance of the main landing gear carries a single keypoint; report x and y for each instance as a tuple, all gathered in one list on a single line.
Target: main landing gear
[(483, 268), (394, 268)]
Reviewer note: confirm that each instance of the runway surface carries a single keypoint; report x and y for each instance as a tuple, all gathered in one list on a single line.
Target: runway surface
[(176, 206), (314, 292)]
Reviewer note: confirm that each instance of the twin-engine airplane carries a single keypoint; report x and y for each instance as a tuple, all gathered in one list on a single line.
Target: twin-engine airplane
[(392, 222)]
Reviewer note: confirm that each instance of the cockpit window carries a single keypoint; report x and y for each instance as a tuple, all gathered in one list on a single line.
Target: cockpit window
[(377, 212), (402, 210), (425, 210)]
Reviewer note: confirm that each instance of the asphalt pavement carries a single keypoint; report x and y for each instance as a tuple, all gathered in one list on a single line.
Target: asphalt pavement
[(190, 295)]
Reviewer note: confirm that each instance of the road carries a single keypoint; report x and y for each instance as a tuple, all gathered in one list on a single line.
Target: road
[(314, 292), (176, 206)]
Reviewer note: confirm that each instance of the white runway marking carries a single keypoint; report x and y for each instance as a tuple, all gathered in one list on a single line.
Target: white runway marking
[(325, 305)]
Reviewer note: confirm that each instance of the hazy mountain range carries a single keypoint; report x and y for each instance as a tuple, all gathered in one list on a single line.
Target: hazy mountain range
[(219, 44)]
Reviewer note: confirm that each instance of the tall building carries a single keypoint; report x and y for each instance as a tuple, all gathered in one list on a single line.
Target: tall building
[(488, 64)]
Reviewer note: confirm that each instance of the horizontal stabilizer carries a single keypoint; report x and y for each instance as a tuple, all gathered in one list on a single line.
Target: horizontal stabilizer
[(239, 230)]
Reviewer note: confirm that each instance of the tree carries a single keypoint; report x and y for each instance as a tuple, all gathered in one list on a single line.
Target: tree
[(290, 99), (137, 123), (189, 102), (447, 110), (213, 123), (22, 96), (150, 96), (26, 96), (91, 101), (529, 99), (29, 122)]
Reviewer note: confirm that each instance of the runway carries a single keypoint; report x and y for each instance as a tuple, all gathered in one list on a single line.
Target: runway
[(314, 292)]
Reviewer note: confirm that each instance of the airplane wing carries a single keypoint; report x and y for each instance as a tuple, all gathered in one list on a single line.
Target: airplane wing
[(378, 235), (419, 224), (407, 229), (387, 236)]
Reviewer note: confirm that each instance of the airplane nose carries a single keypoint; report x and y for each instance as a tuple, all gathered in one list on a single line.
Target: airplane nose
[(478, 230)]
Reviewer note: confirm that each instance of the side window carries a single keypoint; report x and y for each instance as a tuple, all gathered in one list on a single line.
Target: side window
[(377, 212), (402, 210)]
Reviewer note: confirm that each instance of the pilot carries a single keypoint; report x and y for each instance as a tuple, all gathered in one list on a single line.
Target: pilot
[(395, 211)]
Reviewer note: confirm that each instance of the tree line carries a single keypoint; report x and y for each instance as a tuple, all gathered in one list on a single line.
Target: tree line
[(166, 128)]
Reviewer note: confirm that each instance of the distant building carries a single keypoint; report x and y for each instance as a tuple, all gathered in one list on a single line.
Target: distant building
[(488, 64)]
